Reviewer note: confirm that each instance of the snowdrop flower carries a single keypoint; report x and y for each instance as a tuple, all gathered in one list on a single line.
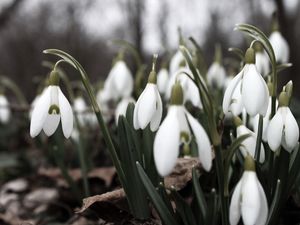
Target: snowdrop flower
[(4, 109), (162, 80), (248, 199), (119, 83), (80, 108), (51, 107), (174, 130), (249, 144), (251, 87), (280, 46), (283, 128), (122, 108), (216, 75), (148, 108)]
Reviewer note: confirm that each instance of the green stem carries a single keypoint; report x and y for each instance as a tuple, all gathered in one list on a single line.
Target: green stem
[(83, 166), (80, 149), (220, 178), (259, 138)]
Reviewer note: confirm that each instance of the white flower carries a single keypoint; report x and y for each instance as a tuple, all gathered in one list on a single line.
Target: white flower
[(51, 107), (216, 75), (148, 108), (280, 46), (168, 138), (249, 144), (122, 107), (266, 121), (283, 130), (162, 80), (80, 108), (262, 63), (253, 90), (119, 83), (4, 109), (249, 201)]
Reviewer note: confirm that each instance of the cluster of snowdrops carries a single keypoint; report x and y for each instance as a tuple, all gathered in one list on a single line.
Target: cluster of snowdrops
[(263, 131)]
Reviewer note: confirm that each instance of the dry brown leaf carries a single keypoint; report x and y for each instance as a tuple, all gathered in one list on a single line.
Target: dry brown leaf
[(106, 174), (182, 173)]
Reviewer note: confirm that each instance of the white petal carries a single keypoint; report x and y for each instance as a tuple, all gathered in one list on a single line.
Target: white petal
[(229, 92), (166, 144), (136, 124), (291, 131), (236, 106), (40, 113), (51, 124), (122, 79), (162, 80), (147, 105), (155, 121), (280, 46), (254, 92), (263, 213), (275, 130), (235, 205), (181, 116), (66, 114), (250, 206), (203, 143), (4, 109), (216, 75)]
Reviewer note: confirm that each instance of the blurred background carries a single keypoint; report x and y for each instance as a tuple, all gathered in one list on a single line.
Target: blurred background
[(85, 29)]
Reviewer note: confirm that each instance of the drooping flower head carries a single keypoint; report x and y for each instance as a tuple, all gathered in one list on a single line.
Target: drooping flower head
[(216, 73), (119, 82), (248, 199), (148, 108), (174, 130), (247, 89), (51, 108), (283, 129), (278, 42)]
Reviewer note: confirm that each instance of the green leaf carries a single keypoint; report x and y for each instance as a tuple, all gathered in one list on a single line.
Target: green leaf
[(274, 205), (183, 209), (212, 214), (231, 150), (163, 211), (136, 193), (199, 195)]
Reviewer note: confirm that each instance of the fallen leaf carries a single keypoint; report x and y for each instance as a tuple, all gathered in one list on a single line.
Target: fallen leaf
[(182, 173), (106, 174)]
